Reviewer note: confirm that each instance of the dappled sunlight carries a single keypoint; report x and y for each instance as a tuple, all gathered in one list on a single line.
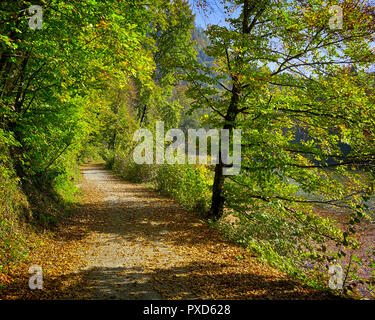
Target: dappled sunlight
[(135, 250)]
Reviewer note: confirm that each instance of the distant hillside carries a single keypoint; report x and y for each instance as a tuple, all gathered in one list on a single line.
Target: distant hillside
[(202, 40)]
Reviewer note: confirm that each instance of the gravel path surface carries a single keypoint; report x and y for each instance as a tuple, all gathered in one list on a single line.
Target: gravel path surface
[(127, 242)]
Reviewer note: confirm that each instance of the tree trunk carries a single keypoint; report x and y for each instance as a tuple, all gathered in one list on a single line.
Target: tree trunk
[(218, 200), (217, 203)]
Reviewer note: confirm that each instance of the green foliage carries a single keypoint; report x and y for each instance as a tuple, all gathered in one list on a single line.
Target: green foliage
[(190, 185), (290, 247), (12, 243), (299, 92), (53, 113), (13, 208), (97, 71)]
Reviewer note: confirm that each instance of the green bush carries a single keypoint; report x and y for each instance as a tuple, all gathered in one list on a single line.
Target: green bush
[(274, 238), (132, 171), (190, 185)]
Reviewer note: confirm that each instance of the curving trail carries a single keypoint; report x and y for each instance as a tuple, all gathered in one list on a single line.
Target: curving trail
[(126, 241), (146, 246)]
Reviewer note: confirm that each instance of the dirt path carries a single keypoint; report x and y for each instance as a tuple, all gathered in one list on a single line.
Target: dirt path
[(128, 242)]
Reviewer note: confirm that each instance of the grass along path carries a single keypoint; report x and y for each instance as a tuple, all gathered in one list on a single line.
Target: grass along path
[(126, 241)]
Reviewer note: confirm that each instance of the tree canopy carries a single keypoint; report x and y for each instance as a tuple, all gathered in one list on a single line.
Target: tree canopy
[(295, 80)]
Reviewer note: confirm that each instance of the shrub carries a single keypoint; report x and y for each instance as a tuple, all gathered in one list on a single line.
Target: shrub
[(190, 185)]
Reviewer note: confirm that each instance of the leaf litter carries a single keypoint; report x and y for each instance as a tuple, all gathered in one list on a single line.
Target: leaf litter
[(126, 241)]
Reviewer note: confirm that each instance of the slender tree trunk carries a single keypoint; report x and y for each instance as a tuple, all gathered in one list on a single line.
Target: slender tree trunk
[(217, 204), (218, 200), (17, 152)]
